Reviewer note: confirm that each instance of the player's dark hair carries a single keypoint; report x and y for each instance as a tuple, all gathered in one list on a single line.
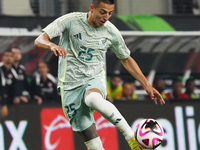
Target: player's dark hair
[(97, 2)]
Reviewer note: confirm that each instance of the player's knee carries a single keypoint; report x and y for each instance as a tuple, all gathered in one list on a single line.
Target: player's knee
[(92, 97)]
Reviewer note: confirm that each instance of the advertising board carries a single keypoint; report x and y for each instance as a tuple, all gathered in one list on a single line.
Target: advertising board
[(45, 127)]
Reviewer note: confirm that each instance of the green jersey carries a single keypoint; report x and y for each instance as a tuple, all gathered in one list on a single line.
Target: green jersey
[(85, 46)]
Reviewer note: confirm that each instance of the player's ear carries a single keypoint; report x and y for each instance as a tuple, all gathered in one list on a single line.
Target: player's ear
[(91, 7)]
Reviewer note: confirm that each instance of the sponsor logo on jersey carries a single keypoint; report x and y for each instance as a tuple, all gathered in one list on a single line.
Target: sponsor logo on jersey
[(78, 36)]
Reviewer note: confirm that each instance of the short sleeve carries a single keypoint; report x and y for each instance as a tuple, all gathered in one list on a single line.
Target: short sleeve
[(118, 45), (56, 28)]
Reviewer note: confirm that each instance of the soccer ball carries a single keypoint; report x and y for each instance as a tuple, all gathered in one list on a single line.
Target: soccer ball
[(149, 133)]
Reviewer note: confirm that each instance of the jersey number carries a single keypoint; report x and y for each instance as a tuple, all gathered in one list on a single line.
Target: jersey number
[(71, 111), (86, 53)]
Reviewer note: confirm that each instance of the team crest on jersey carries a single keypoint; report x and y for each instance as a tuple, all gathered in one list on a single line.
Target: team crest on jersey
[(103, 41)]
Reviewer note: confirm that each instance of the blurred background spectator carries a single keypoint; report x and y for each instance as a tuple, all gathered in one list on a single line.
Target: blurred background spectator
[(44, 85), (3, 105), (189, 88), (114, 88), (177, 93), (24, 87), (9, 77), (159, 85), (128, 91)]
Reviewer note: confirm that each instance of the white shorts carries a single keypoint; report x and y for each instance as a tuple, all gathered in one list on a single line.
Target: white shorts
[(77, 112)]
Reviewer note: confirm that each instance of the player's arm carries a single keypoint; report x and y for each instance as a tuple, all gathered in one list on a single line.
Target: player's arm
[(132, 67), (43, 41)]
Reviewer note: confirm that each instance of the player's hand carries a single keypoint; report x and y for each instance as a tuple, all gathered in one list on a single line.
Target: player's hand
[(58, 50), (155, 95)]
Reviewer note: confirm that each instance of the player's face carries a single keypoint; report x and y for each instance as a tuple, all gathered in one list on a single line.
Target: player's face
[(17, 54), (8, 58), (100, 14)]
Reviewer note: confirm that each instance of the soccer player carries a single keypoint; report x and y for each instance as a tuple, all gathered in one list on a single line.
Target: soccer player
[(84, 40)]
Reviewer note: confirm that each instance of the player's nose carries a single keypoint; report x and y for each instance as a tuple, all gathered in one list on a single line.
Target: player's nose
[(106, 17)]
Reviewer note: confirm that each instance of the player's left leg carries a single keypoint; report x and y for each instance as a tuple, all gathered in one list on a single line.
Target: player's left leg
[(94, 100)]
